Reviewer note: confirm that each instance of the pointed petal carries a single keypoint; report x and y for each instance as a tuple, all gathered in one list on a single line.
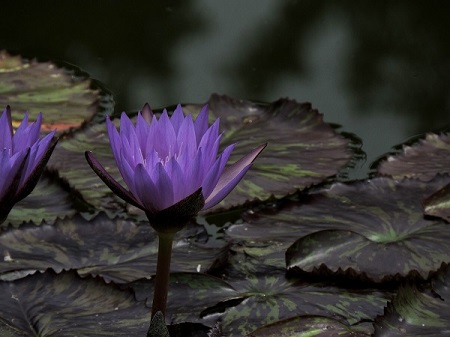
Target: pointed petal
[(142, 129), (231, 177), (164, 188), (147, 113), (37, 168), (178, 179), (110, 181), (6, 130), (201, 123), (177, 118), (165, 137), (145, 189), (214, 174)]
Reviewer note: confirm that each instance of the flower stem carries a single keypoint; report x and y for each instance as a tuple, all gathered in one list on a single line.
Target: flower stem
[(162, 273)]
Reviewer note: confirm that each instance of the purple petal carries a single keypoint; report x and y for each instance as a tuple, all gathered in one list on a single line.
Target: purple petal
[(142, 130), (214, 174), (114, 139), (6, 130), (201, 123), (194, 172), (145, 189), (186, 140), (177, 118), (110, 181), (9, 166), (178, 179), (231, 177), (165, 137), (164, 189)]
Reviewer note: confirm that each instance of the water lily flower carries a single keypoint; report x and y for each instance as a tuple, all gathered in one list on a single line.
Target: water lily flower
[(172, 169), (171, 165), (23, 156)]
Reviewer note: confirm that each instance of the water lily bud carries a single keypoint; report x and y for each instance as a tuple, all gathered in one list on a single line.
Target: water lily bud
[(23, 156)]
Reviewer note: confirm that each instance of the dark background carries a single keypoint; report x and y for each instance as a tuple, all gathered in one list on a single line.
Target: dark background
[(381, 69)]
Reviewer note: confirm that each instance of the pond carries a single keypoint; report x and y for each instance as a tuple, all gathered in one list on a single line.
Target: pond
[(379, 72)]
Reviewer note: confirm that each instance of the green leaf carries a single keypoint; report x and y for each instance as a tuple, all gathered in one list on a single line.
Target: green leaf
[(69, 161), (438, 204), (416, 312), (302, 149), (422, 160), (66, 305), (118, 250), (246, 304), (360, 226), (307, 326), (48, 201), (65, 100)]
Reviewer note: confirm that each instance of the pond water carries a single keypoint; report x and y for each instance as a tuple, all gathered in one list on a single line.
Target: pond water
[(380, 69)]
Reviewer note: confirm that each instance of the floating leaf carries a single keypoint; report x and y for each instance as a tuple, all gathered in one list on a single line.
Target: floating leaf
[(360, 226), (315, 326), (66, 305), (48, 201), (438, 204), (118, 249), (415, 312), (422, 160), (244, 305), (69, 161), (302, 149), (65, 99)]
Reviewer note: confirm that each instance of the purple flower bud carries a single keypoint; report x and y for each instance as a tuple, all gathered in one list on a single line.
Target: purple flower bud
[(23, 157), (171, 165)]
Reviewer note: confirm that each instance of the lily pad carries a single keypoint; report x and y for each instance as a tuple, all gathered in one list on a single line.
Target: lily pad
[(66, 305), (66, 100), (422, 160), (48, 201), (69, 161), (302, 149), (313, 326), (360, 226), (118, 250), (438, 204), (308, 152), (244, 305), (418, 312)]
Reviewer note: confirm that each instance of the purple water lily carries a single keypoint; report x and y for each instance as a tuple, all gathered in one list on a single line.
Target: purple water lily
[(22, 159), (168, 160)]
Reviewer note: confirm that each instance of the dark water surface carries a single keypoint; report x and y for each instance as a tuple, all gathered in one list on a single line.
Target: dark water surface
[(381, 69)]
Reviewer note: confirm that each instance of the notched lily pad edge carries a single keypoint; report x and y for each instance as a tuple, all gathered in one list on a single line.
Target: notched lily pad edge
[(350, 278)]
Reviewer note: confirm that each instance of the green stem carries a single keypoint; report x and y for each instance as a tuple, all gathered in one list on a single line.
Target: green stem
[(162, 273)]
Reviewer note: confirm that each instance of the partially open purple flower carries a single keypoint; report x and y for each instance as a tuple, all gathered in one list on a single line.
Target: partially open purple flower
[(23, 157), (166, 161)]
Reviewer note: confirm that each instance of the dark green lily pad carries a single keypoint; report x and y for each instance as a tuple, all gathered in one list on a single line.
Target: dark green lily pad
[(270, 298), (28, 85), (422, 160), (118, 250), (308, 152), (69, 161), (244, 305), (66, 305), (438, 204), (302, 149), (311, 326), (418, 312), (48, 201), (360, 226)]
